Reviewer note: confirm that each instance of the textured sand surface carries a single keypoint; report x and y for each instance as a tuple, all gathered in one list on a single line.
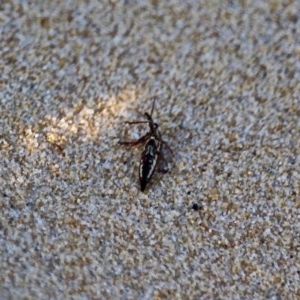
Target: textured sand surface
[(73, 223)]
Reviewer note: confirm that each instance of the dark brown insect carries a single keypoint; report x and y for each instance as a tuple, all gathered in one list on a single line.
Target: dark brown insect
[(152, 148)]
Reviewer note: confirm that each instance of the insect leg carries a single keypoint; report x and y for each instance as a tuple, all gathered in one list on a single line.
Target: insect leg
[(136, 122), (169, 148), (161, 169), (134, 143)]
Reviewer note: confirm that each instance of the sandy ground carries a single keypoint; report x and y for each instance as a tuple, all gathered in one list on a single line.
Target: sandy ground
[(74, 223)]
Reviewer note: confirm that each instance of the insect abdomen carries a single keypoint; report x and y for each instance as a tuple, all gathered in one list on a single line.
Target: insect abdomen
[(148, 161)]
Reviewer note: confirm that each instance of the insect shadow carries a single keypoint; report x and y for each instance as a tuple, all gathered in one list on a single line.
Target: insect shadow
[(153, 147)]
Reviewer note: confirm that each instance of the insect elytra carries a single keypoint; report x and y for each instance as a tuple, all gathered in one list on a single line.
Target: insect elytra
[(152, 148)]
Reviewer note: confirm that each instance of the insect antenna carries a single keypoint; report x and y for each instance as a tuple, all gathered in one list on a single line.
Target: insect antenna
[(154, 99)]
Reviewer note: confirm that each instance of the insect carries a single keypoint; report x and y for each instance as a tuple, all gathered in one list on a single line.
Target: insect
[(152, 148)]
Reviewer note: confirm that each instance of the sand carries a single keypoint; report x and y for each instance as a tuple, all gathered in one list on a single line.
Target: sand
[(73, 221)]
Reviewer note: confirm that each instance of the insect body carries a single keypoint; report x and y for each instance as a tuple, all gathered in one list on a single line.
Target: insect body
[(152, 147)]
